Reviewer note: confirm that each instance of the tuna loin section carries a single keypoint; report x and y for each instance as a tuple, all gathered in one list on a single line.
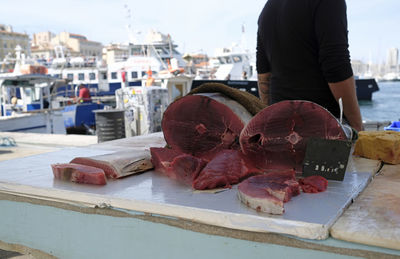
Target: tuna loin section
[(313, 184), (118, 164), (276, 137), (182, 167), (268, 192), (227, 168), (200, 126), (79, 173)]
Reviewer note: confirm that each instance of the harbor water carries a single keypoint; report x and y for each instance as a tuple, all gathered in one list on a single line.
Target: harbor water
[(385, 104)]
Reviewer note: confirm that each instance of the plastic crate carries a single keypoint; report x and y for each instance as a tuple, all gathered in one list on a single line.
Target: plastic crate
[(394, 126)]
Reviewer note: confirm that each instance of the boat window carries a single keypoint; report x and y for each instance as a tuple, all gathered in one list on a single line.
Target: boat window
[(134, 74), (143, 73), (104, 76), (237, 59), (92, 76), (225, 60), (31, 94), (70, 76), (114, 75), (81, 76)]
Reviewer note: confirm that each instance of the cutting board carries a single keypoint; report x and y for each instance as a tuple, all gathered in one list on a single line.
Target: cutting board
[(374, 217), (306, 215)]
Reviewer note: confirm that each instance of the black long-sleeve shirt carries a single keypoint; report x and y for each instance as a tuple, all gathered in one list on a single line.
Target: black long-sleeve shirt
[(304, 44)]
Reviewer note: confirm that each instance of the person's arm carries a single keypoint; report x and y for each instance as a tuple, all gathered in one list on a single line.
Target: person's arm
[(334, 56), (263, 71), (264, 81), (347, 91)]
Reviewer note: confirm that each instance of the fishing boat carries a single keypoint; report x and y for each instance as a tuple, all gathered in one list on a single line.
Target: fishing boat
[(27, 105), (158, 55)]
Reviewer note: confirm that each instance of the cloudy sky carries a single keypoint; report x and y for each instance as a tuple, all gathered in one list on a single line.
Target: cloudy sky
[(196, 26)]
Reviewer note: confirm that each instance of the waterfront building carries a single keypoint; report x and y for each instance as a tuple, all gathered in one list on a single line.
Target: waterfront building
[(78, 45), (393, 58), (41, 45), (115, 53), (9, 40)]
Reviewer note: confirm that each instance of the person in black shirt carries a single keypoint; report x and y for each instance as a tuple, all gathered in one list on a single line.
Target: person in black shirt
[(302, 54)]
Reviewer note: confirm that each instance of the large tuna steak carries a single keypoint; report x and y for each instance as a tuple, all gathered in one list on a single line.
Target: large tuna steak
[(201, 126), (268, 192), (276, 137)]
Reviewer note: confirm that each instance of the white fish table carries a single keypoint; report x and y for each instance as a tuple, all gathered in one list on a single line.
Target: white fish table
[(129, 214)]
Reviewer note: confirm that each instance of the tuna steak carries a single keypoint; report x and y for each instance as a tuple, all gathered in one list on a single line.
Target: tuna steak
[(227, 168), (268, 192), (200, 126), (276, 137), (182, 167), (79, 173), (118, 164)]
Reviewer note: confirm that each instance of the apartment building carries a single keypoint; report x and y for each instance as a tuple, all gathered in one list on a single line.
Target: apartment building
[(9, 40)]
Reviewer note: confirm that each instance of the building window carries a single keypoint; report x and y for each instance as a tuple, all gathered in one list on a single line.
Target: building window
[(92, 76), (104, 76), (143, 73), (114, 75), (134, 74), (5, 45), (81, 76), (70, 76)]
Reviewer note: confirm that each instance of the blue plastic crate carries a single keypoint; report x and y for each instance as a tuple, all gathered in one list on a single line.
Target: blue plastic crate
[(394, 126)]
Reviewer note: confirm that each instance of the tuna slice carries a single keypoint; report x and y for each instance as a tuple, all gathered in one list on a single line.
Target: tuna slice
[(268, 192), (79, 173), (200, 126), (276, 137), (182, 167), (313, 184), (162, 158), (118, 164), (227, 168)]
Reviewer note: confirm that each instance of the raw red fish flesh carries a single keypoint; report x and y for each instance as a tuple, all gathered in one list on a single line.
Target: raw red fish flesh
[(118, 164), (276, 137), (200, 126), (313, 184), (227, 168), (182, 167), (79, 173), (268, 192), (161, 158)]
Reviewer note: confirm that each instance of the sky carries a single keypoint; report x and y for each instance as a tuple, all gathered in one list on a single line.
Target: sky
[(195, 26)]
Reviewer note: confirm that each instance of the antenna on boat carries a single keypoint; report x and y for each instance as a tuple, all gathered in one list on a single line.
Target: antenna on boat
[(243, 40), (128, 26)]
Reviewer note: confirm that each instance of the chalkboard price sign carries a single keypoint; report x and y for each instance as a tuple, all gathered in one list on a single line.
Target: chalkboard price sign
[(327, 158)]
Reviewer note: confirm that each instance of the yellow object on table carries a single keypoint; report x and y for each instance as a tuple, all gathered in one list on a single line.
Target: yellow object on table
[(379, 145)]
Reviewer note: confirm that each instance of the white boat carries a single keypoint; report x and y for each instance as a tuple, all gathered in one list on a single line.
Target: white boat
[(157, 55), (26, 105), (233, 63)]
